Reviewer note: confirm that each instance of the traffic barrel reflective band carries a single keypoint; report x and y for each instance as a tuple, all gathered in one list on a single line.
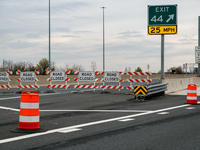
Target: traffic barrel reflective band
[(29, 117), (192, 94)]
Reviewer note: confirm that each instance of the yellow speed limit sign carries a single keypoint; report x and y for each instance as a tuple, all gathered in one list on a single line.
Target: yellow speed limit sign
[(153, 30)]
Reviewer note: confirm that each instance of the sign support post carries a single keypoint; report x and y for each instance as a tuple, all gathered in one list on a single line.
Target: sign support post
[(162, 56), (162, 19), (199, 44)]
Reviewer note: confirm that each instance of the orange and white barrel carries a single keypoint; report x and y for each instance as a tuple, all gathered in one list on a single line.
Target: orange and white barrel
[(29, 117), (192, 94)]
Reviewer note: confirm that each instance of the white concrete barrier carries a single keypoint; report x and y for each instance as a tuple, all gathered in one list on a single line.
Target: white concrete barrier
[(180, 84)]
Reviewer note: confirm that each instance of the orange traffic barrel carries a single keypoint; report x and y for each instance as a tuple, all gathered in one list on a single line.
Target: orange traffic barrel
[(192, 94), (29, 117)]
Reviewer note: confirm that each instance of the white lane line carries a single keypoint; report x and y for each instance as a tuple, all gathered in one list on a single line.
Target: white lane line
[(190, 108), (6, 98), (128, 119), (69, 130), (89, 124), (96, 110), (1, 99), (163, 113), (7, 108)]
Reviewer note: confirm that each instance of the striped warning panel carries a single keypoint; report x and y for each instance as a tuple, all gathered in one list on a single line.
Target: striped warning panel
[(111, 87), (140, 80), (58, 86), (28, 86), (86, 86), (140, 90), (5, 86)]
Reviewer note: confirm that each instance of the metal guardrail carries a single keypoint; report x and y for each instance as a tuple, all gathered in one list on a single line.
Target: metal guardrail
[(150, 91)]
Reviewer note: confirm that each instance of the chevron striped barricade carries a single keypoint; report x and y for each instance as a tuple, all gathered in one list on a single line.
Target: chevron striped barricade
[(131, 87), (86, 76), (5, 77), (58, 76), (28, 76), (112, 77), (150, 91)]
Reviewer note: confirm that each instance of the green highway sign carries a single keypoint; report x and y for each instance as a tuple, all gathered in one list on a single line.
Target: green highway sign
[(162, 15)]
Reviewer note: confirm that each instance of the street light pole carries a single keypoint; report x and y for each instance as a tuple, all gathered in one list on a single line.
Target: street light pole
[(49, 39), (103, 41)]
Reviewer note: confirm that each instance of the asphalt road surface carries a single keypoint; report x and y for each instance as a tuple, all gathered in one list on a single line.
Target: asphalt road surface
[(103, 121)]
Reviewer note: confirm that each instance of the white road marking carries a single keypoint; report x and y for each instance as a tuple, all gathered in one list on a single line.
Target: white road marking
[(1, 99), (190, 108), (6, 98), (163, 113), (69, 130), (89, 124), (128, 119), (7, 108), (120, 111)]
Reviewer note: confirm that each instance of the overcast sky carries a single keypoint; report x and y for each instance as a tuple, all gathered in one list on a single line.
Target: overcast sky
[(77, 33)]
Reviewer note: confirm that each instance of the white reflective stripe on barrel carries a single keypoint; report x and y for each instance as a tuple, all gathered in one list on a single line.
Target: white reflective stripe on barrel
[(29, 118), (192, 91), (192, 98), (29, 105)]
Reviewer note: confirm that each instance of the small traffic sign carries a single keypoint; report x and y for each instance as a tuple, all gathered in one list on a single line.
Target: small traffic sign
[(4, 77), (153, 30), (111, 76), (27, 76), (57, 76), (197, 54), (162, 15), (86, 76)]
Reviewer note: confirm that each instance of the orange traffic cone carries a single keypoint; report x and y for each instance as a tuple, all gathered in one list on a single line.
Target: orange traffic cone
[(29, 117), (192, 94)]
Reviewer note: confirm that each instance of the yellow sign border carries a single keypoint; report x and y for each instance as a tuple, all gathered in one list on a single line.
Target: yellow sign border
[(158, 30)]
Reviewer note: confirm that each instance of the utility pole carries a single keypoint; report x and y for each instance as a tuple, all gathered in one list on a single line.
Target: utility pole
[(49, 39), (103, 41)]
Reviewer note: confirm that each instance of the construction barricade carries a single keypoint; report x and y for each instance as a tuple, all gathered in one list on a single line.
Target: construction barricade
[(131, 80), (86, 76), (29, 117), (28, 76), (114, 77), (58, 76), (192, 94), (5, 77)]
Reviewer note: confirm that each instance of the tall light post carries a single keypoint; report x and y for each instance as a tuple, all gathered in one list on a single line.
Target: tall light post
[(49, 39), (103, 40)]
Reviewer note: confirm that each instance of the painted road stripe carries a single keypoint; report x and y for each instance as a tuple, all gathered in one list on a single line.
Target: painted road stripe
[(97, 111), (6, 98), (190, 108), (163, 113), (70, 130), (128, 119), (89, 124), (7, 108)]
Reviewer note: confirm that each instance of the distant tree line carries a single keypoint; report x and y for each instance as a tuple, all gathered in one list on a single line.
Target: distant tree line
[(42, 66)]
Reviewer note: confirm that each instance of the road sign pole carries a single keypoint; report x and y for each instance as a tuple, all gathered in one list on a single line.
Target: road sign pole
[(199, 44), (162, 56)]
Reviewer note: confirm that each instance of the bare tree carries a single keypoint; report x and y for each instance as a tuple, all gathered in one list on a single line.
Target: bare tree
[(8, 65), (93, 65), (76, 67)]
